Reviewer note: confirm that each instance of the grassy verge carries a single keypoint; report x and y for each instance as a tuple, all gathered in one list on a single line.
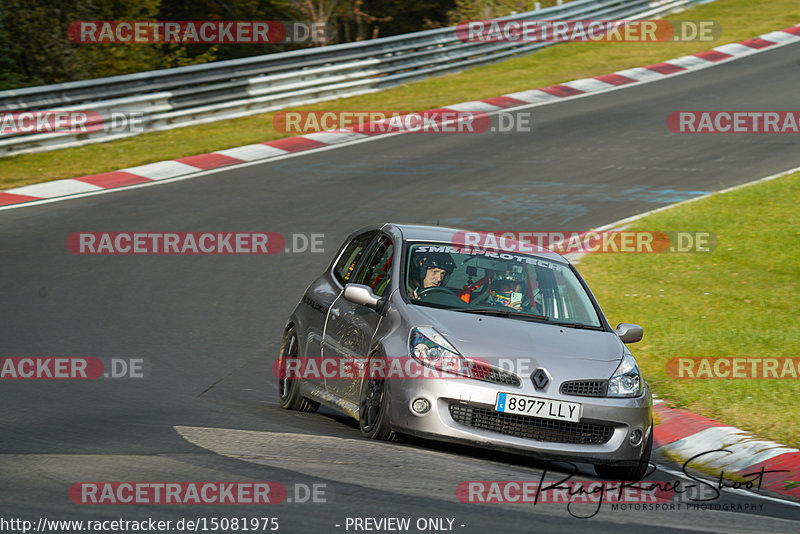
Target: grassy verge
[(740, 300), (739, 19)]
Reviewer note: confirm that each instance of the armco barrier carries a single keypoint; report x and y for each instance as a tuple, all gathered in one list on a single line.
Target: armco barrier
[(171, 98)]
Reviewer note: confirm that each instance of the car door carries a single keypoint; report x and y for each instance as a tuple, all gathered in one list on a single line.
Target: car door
[(322, 294), (350, 327)]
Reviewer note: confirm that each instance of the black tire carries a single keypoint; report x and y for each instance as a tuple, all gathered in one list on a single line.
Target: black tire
[(288, 389), (628, 472), (373, 407)]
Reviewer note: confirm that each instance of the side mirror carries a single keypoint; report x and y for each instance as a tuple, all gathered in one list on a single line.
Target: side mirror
[(361, 294), (629, 333)]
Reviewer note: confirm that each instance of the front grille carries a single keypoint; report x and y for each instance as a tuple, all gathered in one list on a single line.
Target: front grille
[(585, 388), (487, 373), (534, 428)]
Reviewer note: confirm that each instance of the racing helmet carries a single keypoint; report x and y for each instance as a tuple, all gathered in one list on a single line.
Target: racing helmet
[(423, 261), (505, 287)]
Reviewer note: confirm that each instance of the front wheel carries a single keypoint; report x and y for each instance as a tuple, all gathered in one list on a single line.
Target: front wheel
[(288, 388), (373, 407), (628, 472)]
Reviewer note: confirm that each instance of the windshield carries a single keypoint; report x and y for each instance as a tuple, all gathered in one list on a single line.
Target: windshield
[(496, 283)]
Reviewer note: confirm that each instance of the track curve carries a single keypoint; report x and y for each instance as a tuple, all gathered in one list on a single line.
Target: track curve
[(208, 327)]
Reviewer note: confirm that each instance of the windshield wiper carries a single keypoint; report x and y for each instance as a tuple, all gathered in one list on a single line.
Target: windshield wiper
[(505, 313), (576, 325)]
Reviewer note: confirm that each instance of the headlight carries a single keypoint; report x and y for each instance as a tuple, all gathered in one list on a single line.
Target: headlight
[(626, 380), (430, 348)]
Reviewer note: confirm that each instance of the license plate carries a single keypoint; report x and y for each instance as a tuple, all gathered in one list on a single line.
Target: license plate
[(536, 407)]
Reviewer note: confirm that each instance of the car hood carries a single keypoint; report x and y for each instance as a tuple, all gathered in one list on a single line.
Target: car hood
[(508, 343)]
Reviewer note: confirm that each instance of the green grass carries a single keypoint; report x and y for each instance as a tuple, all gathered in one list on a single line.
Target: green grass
[(740, 300), (739, 19)]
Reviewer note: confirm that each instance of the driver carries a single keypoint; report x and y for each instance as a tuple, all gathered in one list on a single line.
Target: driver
[(429, 269), (506, 287)]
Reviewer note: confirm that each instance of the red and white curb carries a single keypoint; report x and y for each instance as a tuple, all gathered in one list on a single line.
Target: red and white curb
[(686, 435), (188, 166)]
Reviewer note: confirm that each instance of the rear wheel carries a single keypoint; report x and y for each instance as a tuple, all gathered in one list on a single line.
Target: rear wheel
[(373, 407), (635, 471), (288, 388)]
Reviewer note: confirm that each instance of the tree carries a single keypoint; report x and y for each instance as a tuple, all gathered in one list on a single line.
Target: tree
[(489, 9), (35, 48), (255, 10), (367, 19)]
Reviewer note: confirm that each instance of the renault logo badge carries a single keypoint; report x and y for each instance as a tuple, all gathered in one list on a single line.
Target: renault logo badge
[(539, 378)]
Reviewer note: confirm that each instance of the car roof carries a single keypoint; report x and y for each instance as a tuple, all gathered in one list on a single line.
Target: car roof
[(443, 234)]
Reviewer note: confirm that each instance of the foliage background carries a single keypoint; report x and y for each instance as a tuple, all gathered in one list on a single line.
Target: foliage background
[(35, 50)]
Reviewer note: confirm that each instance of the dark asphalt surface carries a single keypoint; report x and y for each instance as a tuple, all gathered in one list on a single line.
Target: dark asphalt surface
[(209, 327)]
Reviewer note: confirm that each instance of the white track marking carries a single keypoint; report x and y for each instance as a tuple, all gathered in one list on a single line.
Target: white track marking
[(475, 105), (689, 62), (332, 138), (252, 152), (589, 85), (745, 450), (162, 170), (534, 96), (56, 188)]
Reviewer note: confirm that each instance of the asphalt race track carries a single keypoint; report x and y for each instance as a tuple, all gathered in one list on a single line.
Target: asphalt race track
[(208, 327)]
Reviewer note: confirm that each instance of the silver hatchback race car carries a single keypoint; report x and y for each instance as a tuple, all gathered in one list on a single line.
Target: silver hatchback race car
[(416, 330)]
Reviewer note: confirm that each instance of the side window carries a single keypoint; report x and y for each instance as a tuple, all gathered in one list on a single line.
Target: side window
[(376, 272), (343, 269)]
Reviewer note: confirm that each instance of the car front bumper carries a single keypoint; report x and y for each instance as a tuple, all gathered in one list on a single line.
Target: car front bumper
[(462, 410)]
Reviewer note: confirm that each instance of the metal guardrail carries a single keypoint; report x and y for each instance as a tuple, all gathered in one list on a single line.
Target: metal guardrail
[(197, 94)]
